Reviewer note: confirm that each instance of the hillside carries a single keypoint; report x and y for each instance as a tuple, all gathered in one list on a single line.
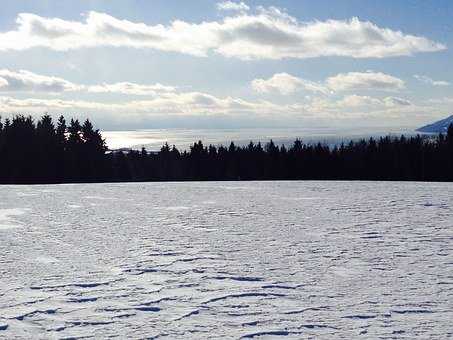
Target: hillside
[(440, 126)]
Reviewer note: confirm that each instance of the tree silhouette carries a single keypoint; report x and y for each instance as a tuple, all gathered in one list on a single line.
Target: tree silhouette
[(44, 152)]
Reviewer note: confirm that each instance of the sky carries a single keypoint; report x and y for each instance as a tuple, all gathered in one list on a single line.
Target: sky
[(228, 64)]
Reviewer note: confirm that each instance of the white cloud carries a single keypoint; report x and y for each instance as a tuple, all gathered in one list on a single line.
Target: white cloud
[(11, 105), (167, 101), (268, 34), (3, 83), (285, 84), (396, 101), (364, 81), (354, 100), (193, 107), (347, 105), (131, 88), (444, 100), (430, 81), (233, 6), (356, 103), (183, 104), (288, 84), (25, 81)]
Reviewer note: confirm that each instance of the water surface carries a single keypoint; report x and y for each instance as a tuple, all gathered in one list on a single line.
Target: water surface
[(153, 139)]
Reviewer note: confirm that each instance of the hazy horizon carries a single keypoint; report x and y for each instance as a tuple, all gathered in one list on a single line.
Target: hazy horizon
[(153, 139)]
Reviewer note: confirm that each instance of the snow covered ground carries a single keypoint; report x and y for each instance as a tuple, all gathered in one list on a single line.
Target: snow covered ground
[(227, 260)]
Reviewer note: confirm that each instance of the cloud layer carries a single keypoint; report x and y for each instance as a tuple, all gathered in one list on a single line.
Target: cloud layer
[(286, 84), (198, 104), (267, 34), (364, 81), (11, 81), (428, 80), (131, 88), (164, 102), (283, 83), (232, 6), (175, 104), (26, 81), (358, 103)]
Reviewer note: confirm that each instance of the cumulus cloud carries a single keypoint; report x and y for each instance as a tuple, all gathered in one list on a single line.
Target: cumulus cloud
[(232, 6), (364, 81), (285, 84), (267, 34), (430, 81), (11, 81), (131, 88), (354, 100), (161, 99), (26, 81)]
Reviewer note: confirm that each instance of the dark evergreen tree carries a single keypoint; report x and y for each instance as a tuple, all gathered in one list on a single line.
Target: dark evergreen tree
[(45, 153)]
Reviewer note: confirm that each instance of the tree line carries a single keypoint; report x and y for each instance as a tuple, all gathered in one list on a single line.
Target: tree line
[(60, 152)]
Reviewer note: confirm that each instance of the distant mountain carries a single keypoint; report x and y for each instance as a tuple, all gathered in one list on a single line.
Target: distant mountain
[(440, 126)]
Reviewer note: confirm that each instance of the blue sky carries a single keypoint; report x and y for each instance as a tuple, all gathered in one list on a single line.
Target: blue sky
[(127, 64)]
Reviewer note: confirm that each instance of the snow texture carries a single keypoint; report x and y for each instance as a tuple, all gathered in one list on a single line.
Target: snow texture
[(252, 260)]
